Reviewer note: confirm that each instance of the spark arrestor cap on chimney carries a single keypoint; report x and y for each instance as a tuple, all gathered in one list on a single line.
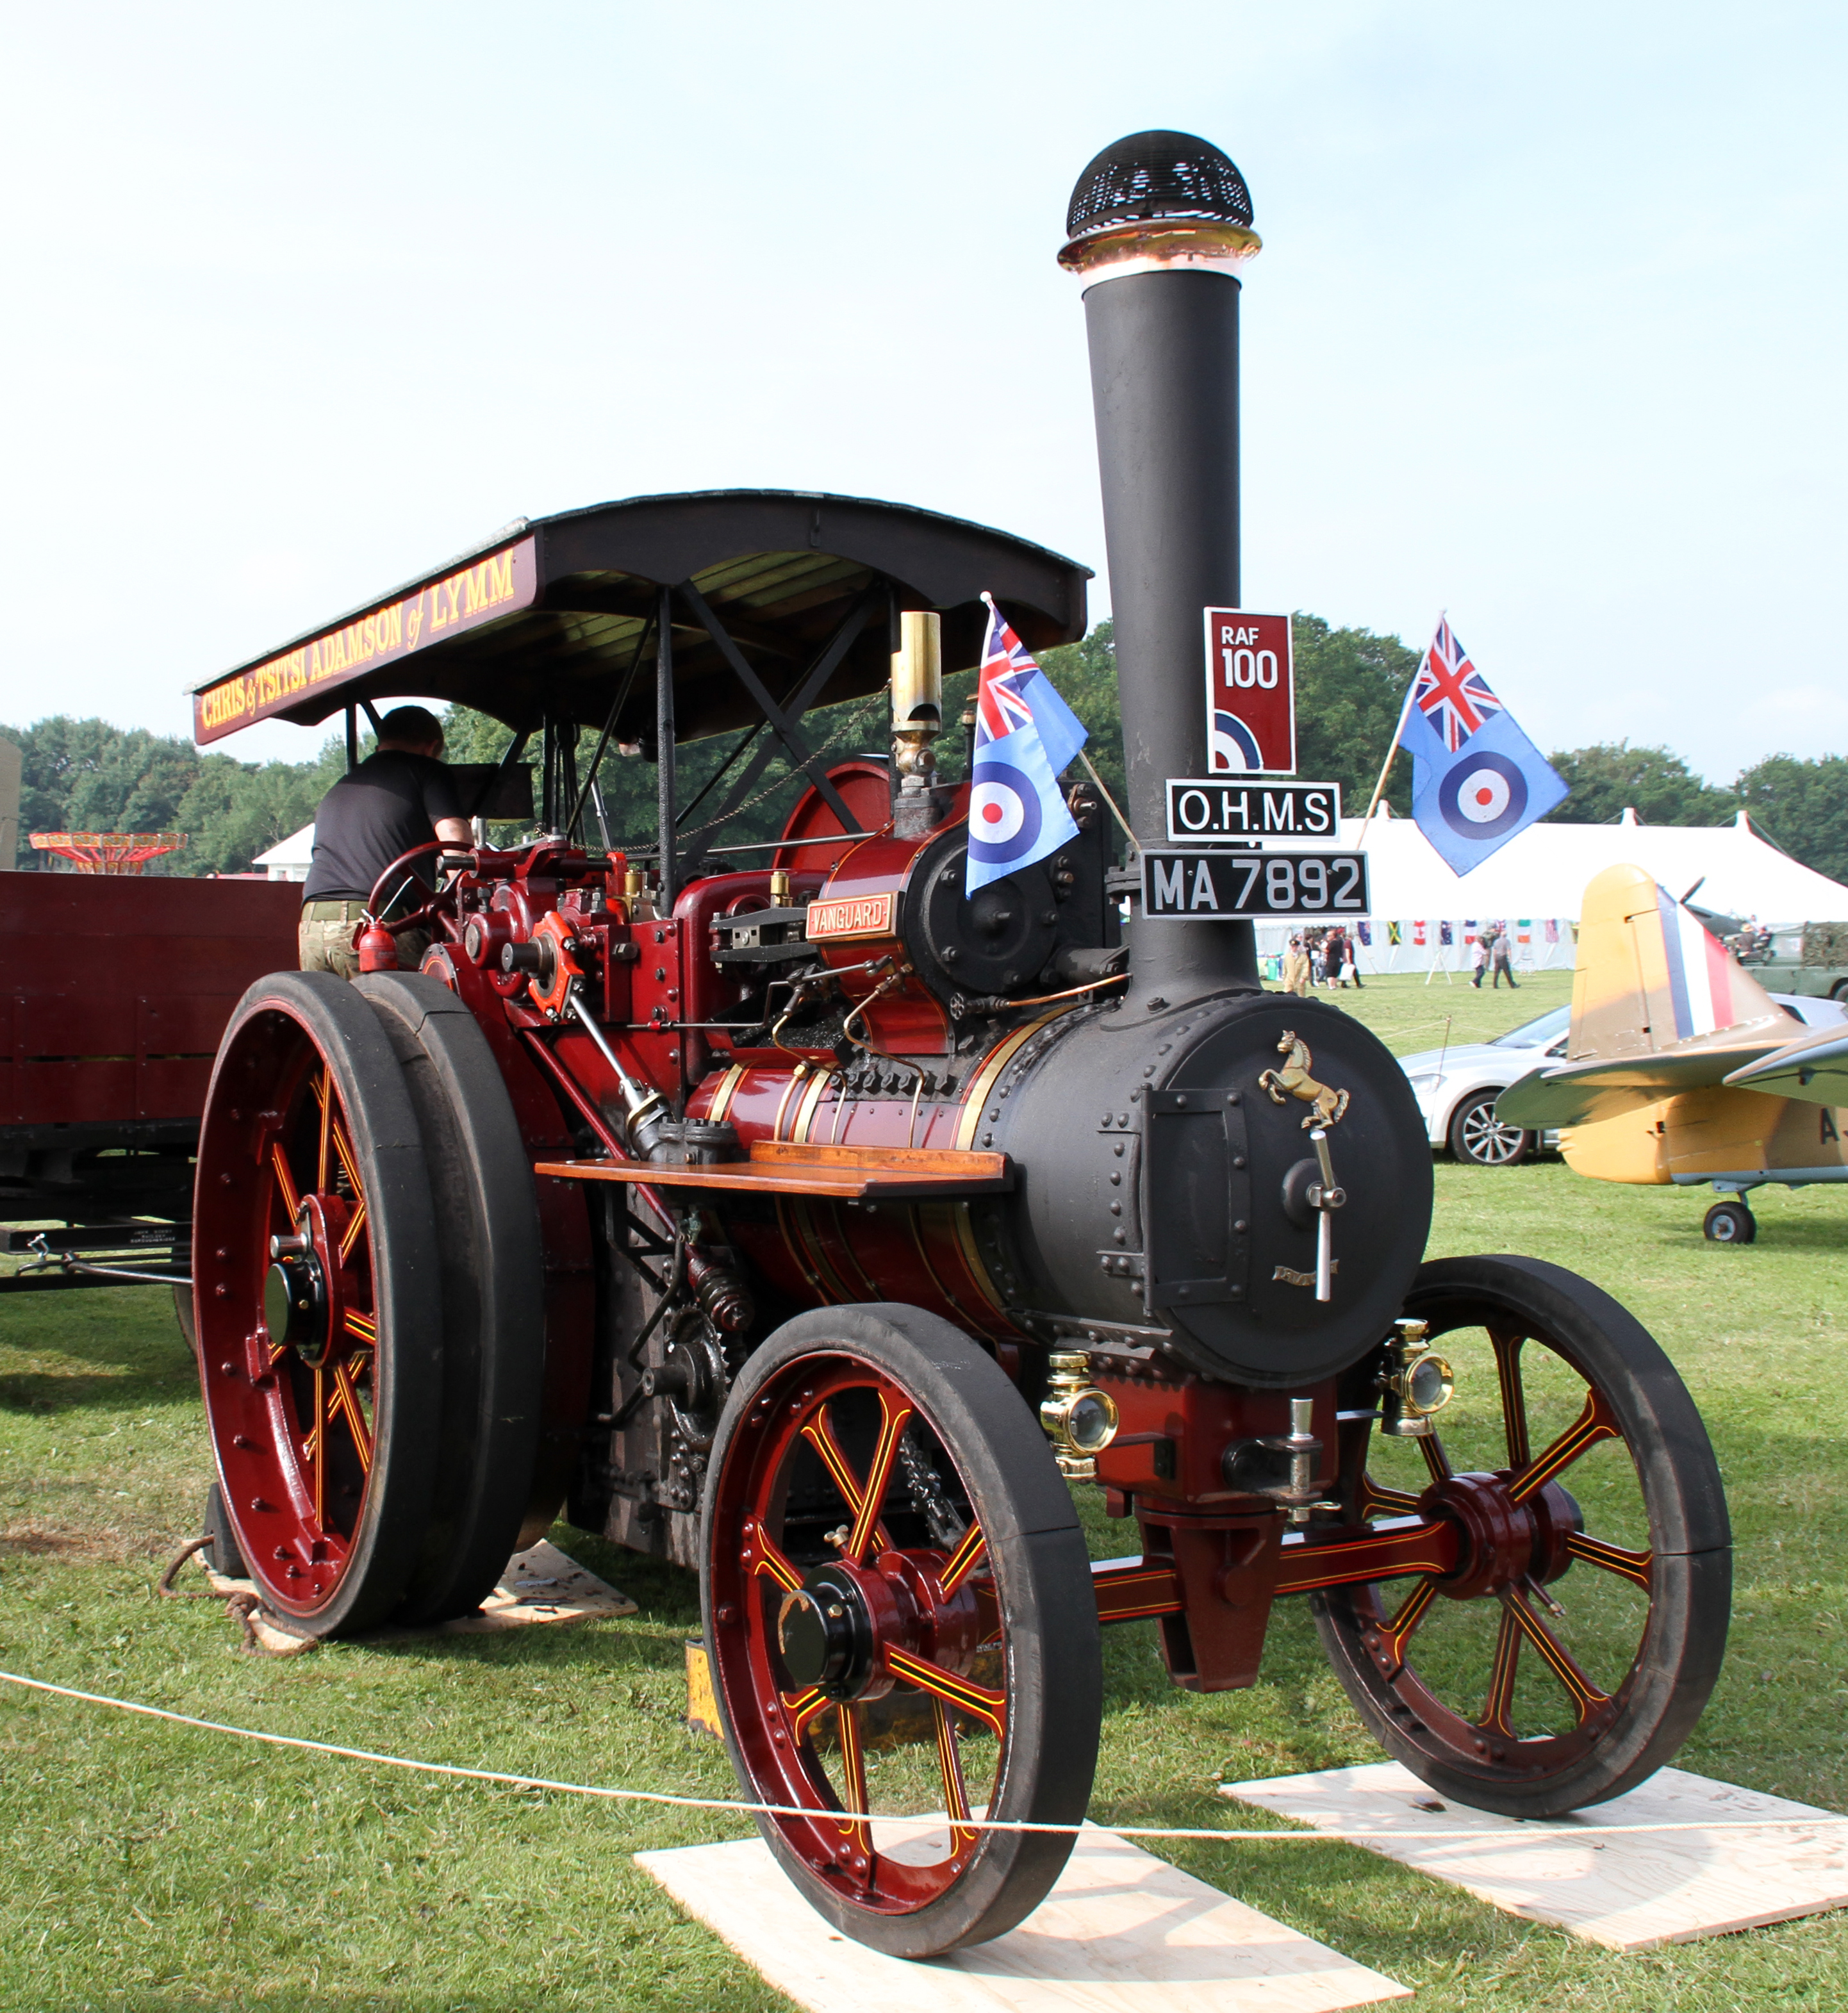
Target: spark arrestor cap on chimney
[(1158, 199)]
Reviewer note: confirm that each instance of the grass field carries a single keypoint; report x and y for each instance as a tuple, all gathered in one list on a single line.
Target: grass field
[(150, 1867)]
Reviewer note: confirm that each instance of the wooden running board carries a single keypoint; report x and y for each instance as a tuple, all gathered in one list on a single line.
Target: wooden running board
[(783, 1166)]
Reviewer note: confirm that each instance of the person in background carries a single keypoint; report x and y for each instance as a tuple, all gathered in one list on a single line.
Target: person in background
[(400, 796), (1501, 959), (1296, 969), (1351, 970), (1479, 956)]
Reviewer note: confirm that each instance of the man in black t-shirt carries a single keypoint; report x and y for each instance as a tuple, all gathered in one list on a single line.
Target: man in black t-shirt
[(401, 795)]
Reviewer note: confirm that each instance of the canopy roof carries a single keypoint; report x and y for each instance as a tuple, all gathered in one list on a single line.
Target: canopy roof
[(1543, 871), (551, 616)]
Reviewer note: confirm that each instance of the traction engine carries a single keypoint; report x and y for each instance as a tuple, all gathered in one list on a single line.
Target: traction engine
[(815, 1224)]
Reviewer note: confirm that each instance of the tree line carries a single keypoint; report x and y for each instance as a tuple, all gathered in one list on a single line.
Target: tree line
[(85, 775)]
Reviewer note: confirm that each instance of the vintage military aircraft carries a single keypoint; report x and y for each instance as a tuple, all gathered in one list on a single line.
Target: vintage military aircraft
[(1680, 1067)]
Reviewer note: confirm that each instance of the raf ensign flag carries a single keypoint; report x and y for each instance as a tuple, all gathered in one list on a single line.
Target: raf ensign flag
[(1477, 779), (1025, 734)]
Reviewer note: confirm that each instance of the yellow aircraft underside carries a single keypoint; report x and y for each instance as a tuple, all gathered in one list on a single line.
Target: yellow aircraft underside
[(1709, 1133)]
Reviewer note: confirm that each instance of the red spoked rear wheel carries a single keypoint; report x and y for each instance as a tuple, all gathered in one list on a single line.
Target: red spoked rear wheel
[(1568, 1653), (901, 1619), (317, 1302)]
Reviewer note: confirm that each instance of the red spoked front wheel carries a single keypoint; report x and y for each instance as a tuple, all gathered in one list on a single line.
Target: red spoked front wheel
[(901, 1623), (317, 1302), (1568, 1653)]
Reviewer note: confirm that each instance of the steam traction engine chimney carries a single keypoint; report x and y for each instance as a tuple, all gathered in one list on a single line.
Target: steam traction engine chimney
[(1158, 226)]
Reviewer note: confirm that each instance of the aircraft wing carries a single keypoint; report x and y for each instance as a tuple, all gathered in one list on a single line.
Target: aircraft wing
[(1814, 1069), (1583, 1093)]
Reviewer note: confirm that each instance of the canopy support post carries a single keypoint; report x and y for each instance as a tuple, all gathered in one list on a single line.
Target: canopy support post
[(549, 774), (663, 737), (352, 739)]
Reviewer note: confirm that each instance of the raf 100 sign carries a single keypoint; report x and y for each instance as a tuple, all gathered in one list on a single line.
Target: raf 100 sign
[(1250, 694)]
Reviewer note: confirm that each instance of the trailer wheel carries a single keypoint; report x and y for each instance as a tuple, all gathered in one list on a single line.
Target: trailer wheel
[(892, 1560), (493, 1287), (318, 1303), (1570, 1653)]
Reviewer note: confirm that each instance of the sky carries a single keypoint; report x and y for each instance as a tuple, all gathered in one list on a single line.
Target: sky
[(1546, 330)]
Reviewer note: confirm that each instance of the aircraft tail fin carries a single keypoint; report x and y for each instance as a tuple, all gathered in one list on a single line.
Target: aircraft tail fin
[(1650, 977)]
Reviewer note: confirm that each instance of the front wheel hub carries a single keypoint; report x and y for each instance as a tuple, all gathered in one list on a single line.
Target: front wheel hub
[(826, 1635)]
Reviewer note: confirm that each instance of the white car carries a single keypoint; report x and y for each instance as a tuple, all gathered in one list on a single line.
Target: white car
[(1456, 1087)]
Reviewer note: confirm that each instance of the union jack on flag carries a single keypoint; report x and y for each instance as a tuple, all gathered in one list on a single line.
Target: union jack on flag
[(1007, 664), (1451, 693)]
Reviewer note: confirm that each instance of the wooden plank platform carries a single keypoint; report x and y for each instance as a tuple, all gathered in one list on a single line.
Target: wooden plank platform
[(1627, 1891), (540, 1584), (784, 1167), (1121, 1932)]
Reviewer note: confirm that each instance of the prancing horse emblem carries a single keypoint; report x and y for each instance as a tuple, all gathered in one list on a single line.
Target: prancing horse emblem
[(1294, 1080)]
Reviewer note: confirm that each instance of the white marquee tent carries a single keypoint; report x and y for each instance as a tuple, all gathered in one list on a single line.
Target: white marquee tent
[(1539, 878)]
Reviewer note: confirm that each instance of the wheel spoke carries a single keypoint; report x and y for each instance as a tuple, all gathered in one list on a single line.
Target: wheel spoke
[(863, 1500), (1496, 1708), (853, 1768), (318, 1442), (1376, 1501), (894, 1420), (1637, 1566), (964, 1693), (1595, 1423), (346, 1398), (363, 1327), (961, 1562), (1398, 1632), (349, 1162), (955, 1790), (1435, 1459), (352, 1233), (323, 1092), (762, 1554), (1506, 1343), (803, 1707), (1586, 1697), (292, 1201)]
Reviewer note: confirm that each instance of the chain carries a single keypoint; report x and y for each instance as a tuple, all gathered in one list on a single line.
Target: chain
[(929, 1498)]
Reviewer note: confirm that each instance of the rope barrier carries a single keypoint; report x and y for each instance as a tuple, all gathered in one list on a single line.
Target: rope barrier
[(1201, 1831)]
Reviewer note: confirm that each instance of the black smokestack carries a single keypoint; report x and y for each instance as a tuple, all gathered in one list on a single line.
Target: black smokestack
[(1157, 224)]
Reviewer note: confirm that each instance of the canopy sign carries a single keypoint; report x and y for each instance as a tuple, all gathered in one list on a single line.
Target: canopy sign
[(482, 592)]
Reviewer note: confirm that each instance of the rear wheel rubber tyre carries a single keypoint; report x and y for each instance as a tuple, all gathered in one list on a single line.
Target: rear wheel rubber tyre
[(1018, 1627), (493, 1292), (1634, 1397), (1476, 1135), (1839, 991), (221, 1555), (326, 1466), (1729, 1223)]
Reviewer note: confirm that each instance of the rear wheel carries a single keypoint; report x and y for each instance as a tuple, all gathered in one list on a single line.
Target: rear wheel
[(492, 1287), (1478, 1135), (317, 1302), (893, 1561), (1730, 1223), (1570, 1653)]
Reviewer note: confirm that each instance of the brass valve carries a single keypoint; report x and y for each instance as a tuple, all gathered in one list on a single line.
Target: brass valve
[(1079, 1420)]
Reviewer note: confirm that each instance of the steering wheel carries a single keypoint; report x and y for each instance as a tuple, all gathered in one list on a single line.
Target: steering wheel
[(426, 910)]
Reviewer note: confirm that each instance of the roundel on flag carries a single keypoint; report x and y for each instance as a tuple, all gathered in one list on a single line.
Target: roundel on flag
[(1003, 816), (1483, 796)]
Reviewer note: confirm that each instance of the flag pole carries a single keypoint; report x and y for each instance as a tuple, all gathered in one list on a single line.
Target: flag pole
[(1398, 730)]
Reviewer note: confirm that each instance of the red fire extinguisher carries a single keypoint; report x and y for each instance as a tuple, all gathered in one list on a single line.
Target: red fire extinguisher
[(378, 947)]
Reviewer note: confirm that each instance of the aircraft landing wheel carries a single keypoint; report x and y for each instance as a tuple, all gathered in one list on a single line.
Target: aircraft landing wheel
[(1571, 1651), (1729, 1222), (317, 1303), (893, 1561)]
